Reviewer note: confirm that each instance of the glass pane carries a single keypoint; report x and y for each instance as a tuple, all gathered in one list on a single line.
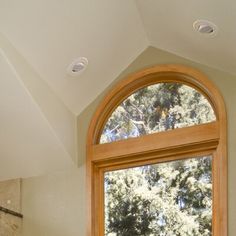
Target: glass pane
[(156, 108), (167, 199)]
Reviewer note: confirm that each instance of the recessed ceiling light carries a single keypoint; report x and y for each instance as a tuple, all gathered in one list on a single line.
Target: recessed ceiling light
[(205, 27), (77, 66)]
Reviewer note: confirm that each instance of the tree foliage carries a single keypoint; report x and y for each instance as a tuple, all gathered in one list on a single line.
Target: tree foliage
[(156, 108), (169, 199)]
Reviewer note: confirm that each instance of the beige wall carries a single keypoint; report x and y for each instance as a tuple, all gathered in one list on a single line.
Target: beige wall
[(48, 201), (54, 205)]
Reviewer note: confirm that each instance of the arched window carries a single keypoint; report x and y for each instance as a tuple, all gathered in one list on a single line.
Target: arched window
[(157, 158)]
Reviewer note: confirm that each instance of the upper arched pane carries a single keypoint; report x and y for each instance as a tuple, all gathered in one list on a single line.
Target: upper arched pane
[(156, 108)]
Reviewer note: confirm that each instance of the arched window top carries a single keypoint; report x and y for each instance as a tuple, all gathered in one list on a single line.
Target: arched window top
[(163, 97), (155, 108)]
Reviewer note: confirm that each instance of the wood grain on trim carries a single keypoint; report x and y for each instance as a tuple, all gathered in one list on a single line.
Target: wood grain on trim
[(186, 142)]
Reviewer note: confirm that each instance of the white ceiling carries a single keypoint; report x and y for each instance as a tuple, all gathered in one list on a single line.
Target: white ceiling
[(50, 34), (39, 39), (169, 26), (28, 145)]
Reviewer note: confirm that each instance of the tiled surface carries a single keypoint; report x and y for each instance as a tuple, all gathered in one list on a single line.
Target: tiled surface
[(10, 225), (10, 198)]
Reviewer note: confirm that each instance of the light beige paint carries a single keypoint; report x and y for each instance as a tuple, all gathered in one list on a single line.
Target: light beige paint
[(54, 205), (39, 39), (61, 120), (29, 146), (169, 26), (38, 217), (51, 34)]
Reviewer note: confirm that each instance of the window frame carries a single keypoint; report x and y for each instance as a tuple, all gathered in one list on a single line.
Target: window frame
[(205, 139)]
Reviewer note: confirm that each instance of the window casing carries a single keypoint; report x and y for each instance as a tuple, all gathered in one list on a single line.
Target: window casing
[(170, 198), (157, 108), (198, 140)]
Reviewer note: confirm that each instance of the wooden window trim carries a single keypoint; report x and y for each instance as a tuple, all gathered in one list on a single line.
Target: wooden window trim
[(186, 142)]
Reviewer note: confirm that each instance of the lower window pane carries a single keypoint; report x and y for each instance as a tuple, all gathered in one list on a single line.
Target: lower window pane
[(167, 199)]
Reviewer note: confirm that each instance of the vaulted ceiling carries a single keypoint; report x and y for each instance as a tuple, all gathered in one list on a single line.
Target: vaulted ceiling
[(169, 26), (39, 39)]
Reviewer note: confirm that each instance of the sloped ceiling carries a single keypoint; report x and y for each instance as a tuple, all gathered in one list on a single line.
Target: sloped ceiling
[(169, 26), (50, 34), (28, 144), (39, 39)]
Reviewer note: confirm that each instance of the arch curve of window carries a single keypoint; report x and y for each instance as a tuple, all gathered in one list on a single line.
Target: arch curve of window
[(197, 137), (157, 108)]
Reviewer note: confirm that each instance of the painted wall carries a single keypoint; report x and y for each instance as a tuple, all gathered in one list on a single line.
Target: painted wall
[(61, 120), (26, 135), (56, 205)]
